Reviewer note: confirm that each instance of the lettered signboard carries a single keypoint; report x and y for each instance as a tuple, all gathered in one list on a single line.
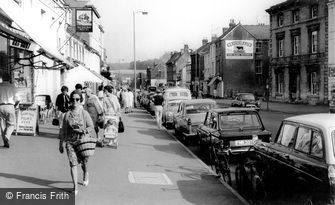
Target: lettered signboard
[(27, 119)]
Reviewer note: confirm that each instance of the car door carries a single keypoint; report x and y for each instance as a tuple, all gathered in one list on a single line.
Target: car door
[(308, 155), (203, 129), (178, 116)]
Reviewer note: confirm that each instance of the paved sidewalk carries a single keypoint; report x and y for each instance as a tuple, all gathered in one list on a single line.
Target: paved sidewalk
[(149, 167)]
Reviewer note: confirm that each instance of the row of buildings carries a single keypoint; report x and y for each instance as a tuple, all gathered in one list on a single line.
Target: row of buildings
[(290, 60), (50, 43)]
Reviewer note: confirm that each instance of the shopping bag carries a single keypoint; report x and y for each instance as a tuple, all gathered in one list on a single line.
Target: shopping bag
[(86, 145), (121, 127), (55, 122)]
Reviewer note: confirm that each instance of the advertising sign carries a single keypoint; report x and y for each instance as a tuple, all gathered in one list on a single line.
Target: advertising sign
[(84, 20), (239, 49), (27, 119)]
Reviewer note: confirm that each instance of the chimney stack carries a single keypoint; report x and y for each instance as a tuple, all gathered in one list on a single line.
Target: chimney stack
[(232, 23), (214, 37), (204, 41)]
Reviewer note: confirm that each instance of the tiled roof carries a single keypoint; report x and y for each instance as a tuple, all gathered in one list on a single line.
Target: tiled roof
[(258, 31), (175, 56), (225, 33)]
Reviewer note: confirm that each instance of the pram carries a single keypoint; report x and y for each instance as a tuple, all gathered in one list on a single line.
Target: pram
[(111, 123)]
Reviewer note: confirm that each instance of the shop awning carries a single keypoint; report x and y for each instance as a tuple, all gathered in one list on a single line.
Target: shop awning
[(13, 33), (212, 81)]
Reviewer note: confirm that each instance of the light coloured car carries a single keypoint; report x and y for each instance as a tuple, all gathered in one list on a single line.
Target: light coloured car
[(246, 100), (177, 93), (190, 114), (169, 110)]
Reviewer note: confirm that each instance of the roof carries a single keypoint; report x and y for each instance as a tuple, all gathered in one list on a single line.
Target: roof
[(175, 88), (258, 31), (195, 101), (225, 33), (202, 49), (325, 120), (174, 57), (283, 5)]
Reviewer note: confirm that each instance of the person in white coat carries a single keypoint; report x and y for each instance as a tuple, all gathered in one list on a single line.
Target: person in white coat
[(131, 100)]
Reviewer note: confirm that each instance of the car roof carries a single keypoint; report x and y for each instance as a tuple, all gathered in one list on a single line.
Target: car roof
[(325, 120), (230, 109), (192, 101), (244, 94), (176, 88)]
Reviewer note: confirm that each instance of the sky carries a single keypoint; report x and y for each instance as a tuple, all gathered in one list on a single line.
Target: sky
[(170, 24)]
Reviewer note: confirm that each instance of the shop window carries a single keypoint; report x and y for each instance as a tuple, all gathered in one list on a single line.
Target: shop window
[(314, 41), (258, 47), (314, 11), (258, 67), (281, 48), (280, 82), (296, 45), (280, 19), (296, 14)]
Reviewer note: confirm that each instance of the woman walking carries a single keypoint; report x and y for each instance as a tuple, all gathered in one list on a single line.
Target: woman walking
[(93, 107), (76, 123)]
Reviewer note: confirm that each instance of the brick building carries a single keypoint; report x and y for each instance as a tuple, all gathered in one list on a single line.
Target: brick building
[(177, 66), (299, 72)]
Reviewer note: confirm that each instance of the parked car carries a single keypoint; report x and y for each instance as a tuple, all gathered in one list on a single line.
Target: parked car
[(246, 100), (229, 131), (302, 157), (177, 93), (169, 110), (189, 115)]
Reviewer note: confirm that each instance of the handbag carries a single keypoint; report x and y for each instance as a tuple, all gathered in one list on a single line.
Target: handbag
[(85, 146), (100, 122), (55, 122), (121, 127)]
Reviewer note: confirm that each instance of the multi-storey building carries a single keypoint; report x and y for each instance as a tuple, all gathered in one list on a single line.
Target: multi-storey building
[(241, 62), (298, 67), (177, 67), (331, 51)]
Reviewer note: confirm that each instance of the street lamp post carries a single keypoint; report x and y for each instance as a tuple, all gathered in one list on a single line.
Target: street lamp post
[(134, 13)]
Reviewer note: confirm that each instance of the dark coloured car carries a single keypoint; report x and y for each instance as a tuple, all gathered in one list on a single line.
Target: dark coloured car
[(246, 100), (229, 131), (300, 163)]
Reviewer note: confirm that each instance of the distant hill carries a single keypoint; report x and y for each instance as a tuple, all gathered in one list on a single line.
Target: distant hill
[(140, 65), (119, 66)]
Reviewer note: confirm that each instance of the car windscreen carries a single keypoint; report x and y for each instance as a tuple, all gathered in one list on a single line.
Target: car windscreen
[(173, 94), (184, 94), (173, 104), (240, 121), (248, 97), (198, 108)]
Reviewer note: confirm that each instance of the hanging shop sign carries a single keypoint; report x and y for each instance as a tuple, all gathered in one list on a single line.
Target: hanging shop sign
[(239, 49), (27, 119), (84, 20)]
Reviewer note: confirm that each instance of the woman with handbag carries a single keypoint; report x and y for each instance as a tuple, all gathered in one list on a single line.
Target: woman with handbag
[(77, 124)]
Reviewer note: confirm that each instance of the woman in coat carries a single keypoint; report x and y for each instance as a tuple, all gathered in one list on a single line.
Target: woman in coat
[(93, 107)]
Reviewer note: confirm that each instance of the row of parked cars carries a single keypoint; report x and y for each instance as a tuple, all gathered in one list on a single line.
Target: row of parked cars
[(298, 160)]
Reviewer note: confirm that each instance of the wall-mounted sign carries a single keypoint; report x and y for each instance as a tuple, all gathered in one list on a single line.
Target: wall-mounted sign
[(239, 49), (84, 20)]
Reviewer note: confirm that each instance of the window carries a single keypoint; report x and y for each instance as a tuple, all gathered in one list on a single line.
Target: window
[(281, 48), (313, 84), (296, 43), (296, 16), (314, 41), (286, 136), (314, 11), (303, 139), (239, 120), (258, 47), (258, 67), (316, 149), (280, 82), (280, 19)]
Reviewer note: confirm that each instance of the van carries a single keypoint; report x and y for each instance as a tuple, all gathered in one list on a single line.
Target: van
[(177, 93)]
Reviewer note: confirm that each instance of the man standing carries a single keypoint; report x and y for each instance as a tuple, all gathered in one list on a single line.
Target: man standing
[(7, 112), (158, 101), (62, 104)]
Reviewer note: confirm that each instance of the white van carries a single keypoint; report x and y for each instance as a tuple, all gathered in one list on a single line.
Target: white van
[(177, 93)]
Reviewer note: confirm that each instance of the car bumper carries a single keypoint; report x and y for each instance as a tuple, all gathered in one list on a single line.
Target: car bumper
[(190, 134)]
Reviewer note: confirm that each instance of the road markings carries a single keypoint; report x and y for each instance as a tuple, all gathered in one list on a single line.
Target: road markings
[(149, 178)]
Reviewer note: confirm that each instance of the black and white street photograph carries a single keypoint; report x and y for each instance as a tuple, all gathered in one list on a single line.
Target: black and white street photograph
[(167, 102)]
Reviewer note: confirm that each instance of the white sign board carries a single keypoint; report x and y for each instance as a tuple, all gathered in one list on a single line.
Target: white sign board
[(239, 49), (27, 119)]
